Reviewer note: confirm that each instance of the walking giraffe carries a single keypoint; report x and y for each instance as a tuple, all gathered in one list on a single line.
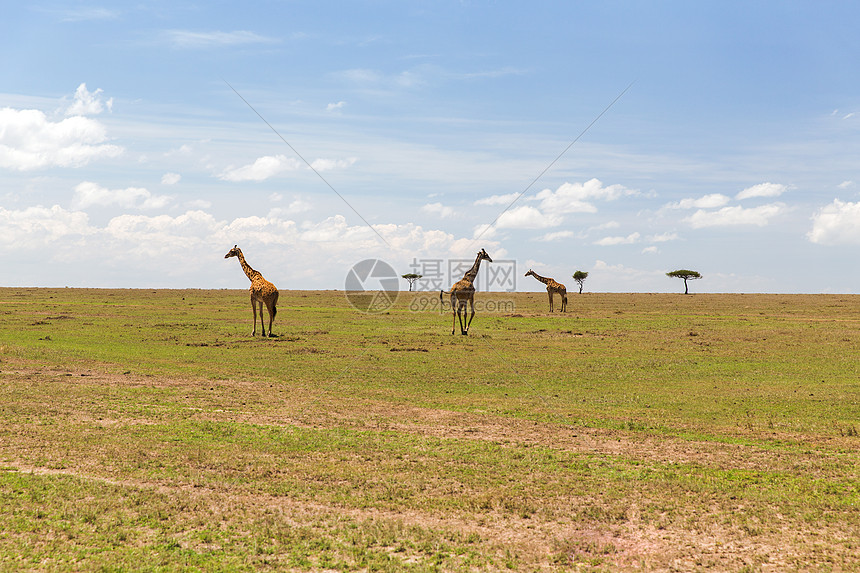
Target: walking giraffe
[(463, 292), (262, 291), (552, 287)]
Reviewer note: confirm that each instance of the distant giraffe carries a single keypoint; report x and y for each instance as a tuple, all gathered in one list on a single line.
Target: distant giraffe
[(552, 287), (463, 292), (262, 291)]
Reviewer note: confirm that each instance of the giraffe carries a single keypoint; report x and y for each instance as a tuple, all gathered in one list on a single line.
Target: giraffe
[(463, 292), (262, 291), (552, 287)]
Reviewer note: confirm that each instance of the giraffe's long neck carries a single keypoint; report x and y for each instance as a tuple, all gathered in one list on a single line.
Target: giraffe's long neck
[(473, 272), (251, 273), (544, 280)]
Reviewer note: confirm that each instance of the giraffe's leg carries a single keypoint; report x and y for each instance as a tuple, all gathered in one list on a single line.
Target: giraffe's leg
[(262, 324), (472, 306), (563, 302), (454, 310), (254, 310), (271, 308), (549, 293)]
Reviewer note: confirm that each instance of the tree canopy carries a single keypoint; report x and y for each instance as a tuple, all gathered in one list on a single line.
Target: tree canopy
[(685, 274), (579, 277), (411, 278)]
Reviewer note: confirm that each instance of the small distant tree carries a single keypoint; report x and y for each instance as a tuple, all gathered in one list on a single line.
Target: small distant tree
[(686, 275), (579, 277), (411, 278)]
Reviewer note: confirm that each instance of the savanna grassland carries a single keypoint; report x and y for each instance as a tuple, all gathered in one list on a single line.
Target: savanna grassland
[(147, 430)]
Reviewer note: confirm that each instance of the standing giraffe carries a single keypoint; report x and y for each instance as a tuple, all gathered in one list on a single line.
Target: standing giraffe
[(463, 292), (262, 291), (552, 287)]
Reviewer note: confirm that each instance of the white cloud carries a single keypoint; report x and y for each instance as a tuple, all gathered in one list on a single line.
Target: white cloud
[(652, 250), (557, 236), (845, 184), (263, 168), (329, 164), (498, 199), (365, 78), (404, 242), (409, 239), (336, 229), (484, 231), (575, 197), (836, 224), (497, 73), (663, 237), (711, 201), (155, 234), (84, 14), (335, 106), (28, 140), (602, 226), (38, 226), (189, 39), (610, 241), (361, 75), (467, 248), (88, 103), (269, 166), (439, 209), (295, 207), (170, 178), (189, 246), (88, 194), (729, 216), (762, 190), (299, 206), (527, 217)]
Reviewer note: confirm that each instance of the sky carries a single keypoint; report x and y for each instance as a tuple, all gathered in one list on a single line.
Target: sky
[(140, 141)]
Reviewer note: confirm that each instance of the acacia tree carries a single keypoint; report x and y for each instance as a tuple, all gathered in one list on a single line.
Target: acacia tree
[(579, 277), (411, 278), (686, 275)]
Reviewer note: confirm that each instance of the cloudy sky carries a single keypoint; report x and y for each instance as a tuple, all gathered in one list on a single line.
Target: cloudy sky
[(139, 142)]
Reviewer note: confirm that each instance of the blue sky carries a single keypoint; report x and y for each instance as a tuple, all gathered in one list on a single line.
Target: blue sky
[(126, 159)]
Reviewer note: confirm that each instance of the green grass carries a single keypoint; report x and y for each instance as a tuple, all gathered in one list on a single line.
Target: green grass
[(147, 430)]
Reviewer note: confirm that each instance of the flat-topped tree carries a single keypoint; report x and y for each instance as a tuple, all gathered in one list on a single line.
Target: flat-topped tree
[(579, 277), (685, 274), (411, 278)]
